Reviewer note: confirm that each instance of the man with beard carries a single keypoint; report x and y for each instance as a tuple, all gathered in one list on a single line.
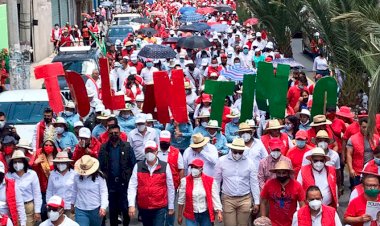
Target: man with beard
[(38, 135), (116, 161)]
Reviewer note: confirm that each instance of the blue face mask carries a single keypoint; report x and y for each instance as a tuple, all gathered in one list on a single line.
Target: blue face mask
[(301, 143), (377, 161), (149, 64), (245, 51), (235, 120), (288, 127)]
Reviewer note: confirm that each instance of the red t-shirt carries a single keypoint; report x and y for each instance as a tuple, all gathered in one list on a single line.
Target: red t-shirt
[(294, 93), (282, 206), (357, 208), (296, 156), (338, 127), (352, 129)]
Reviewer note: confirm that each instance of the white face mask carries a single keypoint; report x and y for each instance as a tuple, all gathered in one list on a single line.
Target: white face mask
[(246, 137), (212, 135), (195, 172), (275, 154), (62, 167), (2, 124), (150, 157), (318, 166), (237, 156), (53, 215), (59, 130), (204, 124), (323, 145), (315, 204), (18, 166), (69, 113), (141, 128)]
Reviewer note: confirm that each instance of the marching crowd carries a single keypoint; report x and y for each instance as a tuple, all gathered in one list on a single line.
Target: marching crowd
[(125, 163)]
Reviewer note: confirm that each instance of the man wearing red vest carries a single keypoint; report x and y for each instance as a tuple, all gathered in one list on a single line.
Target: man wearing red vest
[(214, 67), (360, 151), (173, 157), (12, 203), (88, 145), (374, 164), (38, 136), (152, 183), (317, 173), (315, 213), (273, 128)]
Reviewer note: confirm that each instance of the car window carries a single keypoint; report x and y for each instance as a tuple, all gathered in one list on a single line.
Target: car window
[(120, 31), (82, 67), (24, 112)]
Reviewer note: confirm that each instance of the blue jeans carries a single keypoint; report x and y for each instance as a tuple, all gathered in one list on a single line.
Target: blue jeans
[(153, 217), (170, 220), (88, 217), (201, 219)]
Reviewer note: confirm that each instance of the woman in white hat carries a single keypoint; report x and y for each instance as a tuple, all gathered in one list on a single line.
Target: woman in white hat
[(126, 118), (61, 181), (233, 126), (28, 183), (216, 137), (202, 121), (90, 193)]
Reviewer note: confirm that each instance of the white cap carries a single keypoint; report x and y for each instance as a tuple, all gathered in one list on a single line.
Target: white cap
[(140, 118), (125, 57), (204, 62), (151, 144), (78, 123), (100, 107), (2, 168), (233, 12), (258, 34), (171, 32), (257, 50), (85, 133), (165, 136), (132, 71), (117, 64), (56, 202), (233, 22), (189, 62), (182, 55), (149, 117), (60, 120), (269, 45), (70, 104), (134, 57), (246, 46), (229, 30), (215, 37)]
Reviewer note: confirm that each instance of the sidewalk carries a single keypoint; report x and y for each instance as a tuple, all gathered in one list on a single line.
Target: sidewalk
[(37, 83)]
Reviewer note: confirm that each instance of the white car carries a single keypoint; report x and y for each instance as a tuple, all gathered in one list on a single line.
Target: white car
[(125, 19), (24, 109)]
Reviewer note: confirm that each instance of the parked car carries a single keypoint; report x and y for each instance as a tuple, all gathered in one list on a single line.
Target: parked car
[(117, 32), (24, 109), (125, 19)]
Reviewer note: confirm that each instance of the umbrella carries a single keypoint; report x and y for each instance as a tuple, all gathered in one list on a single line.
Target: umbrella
[(194, 42), (157, 52), (251, 21), (205, 10), (106, 4), (288, 61), (190, 28), (187, 9), (219, 27), (196, 17), (171, 40), (146, 30), (157, 13), (236, 73), (141, 20), (202, 26), (223, 8)]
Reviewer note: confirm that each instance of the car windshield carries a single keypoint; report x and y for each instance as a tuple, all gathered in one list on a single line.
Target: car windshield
[(24, 112), (120, 31), (85, 67)]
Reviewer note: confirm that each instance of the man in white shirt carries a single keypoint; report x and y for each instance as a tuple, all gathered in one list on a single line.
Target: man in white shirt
[(259, 42), (94, 82), (147, 72), (246, 57), (123, 73), (56, 214)]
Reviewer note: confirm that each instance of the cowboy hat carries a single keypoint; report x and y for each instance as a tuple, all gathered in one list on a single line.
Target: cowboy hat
[(86, 165), (204, 114), (282, 165), (199, 140), (345, 112), (234, 113), (322, 134), (18, 154), (244, 127), (128, 107), (318, 152), (106, 114), (60, 120), (62, 157), (237, 144), (212, 124), (319, 120), (251, 123), (22, 143), (274, 124), (70, 104)]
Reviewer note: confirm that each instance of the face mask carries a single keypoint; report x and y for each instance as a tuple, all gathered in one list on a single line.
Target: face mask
[(8, 150), (275, 154), (377, 161), (150, 156), (125, 116), (318, 166), (49, 149), (47, 120), (214, 65), (61, 167), (59, 130), (323, 145), (213, 134), (315, 204), (69, 113), (245, 51), (235, 120), (246, 137), (300, 86), (134, 61), (2, 124), (18, 166), (181, 60), (288, 127), (301, 143), (195, 172), (204, 124), (141, 128), (305, 123), (282, 179), (237, 156), (372, 192), (237, 64), (53, 215), (164, 146), (149, 65)]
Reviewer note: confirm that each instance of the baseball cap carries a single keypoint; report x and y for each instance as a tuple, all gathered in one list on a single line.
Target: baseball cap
[(165, 136), (84, 132), (151, 145), (197, 163), (275, 143), (140, 118), (78, 123), (301, 135), (56, 201)]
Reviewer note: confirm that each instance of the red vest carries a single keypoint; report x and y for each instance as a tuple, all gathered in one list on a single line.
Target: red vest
[(207, 184), (11, 199), (65, 40), (152, 191), (372, 167), (284, 137), (328, 216), (4, 220), (173, 163), (358, 147), (308, 180), (212, 69)]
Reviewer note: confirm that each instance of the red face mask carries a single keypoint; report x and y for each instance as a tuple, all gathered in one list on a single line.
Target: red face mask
[(8, 150), (49, 149)]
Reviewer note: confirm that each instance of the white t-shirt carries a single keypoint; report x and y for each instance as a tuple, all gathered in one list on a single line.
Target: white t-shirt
[(66, 222), (147, 74), (334, 159)]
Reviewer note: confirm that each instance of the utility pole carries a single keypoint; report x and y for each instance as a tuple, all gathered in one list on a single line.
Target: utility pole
[(13, 31)]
